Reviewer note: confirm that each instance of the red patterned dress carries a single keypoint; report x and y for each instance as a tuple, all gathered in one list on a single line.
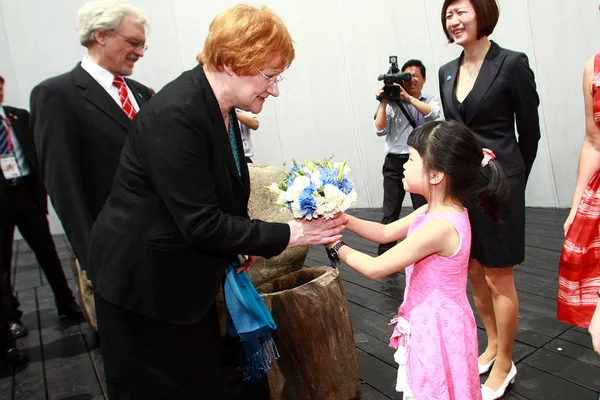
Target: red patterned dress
[(579, 273)]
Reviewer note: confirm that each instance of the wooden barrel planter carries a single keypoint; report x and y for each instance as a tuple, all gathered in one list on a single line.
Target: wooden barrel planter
[(85, 292), (314, 337)]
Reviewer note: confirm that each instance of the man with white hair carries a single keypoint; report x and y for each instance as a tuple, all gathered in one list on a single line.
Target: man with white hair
[(80, 119)]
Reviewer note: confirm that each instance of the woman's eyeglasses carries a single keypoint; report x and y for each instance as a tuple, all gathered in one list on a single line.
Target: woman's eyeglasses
[(271, 79)]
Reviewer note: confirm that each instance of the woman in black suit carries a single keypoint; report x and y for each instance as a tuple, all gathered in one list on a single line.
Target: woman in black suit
[(488, 88), (177, 216)]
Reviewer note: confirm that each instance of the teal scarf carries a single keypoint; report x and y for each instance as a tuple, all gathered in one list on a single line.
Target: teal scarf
[(249, 321)]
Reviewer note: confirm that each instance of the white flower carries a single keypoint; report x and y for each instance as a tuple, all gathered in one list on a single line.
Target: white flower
[(333, 194), (349, 200), (324, 206), (281, 199), (274, 188), (315, 178), (300, 182), (295, 206)]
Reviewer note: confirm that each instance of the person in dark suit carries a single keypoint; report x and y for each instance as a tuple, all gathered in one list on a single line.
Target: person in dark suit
[(80, 119), (8, 348), (489, 88), (177, 216), (24, 205)]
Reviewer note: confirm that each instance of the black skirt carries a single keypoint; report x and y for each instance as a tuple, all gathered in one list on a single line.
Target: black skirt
[(500, 243), (149, 359)]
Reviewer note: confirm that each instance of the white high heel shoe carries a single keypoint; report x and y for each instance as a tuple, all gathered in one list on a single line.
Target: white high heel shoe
[(485, 368), (488, 394)]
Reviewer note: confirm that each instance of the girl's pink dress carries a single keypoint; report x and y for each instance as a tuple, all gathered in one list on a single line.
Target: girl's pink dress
[(435, 331)]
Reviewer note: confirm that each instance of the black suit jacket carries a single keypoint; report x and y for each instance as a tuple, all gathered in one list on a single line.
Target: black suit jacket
[(2, 192), (504, 91), (177, 212), (79, 131), (19, 120)]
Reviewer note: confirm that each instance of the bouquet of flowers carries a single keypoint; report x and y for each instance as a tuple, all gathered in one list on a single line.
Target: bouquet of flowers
[(315, 189)]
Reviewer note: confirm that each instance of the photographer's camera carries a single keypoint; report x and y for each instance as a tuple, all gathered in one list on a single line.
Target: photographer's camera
[(393, 75)]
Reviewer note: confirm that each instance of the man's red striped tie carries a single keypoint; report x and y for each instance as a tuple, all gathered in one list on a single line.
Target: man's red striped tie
[(126, 103)]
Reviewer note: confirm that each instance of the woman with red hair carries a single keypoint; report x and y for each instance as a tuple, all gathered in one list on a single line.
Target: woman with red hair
[(176, 222)]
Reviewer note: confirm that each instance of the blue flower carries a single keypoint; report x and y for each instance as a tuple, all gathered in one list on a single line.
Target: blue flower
[(329, 177), (307, 202), (346, 186), (292, 174)]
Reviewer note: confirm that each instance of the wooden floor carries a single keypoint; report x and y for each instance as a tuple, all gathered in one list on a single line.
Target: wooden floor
[(554, 360)]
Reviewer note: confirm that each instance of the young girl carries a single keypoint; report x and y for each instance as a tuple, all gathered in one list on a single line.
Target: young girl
[(435, 333)]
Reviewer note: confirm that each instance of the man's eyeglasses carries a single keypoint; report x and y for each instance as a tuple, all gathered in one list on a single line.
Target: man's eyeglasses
[(271, 79), (138, 44)]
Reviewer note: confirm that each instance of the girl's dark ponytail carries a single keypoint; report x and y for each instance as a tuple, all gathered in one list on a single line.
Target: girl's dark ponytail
[(493, 196), (451, 148)]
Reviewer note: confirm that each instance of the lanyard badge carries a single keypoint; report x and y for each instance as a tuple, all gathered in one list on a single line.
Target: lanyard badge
[(8, 161)]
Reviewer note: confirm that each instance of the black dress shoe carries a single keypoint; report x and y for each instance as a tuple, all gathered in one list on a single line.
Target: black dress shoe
[(70, 311), (15, 357), (18, 329)]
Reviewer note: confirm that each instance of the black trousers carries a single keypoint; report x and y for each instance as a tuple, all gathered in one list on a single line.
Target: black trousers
[(20, 209), (6, 338), (393, 192)]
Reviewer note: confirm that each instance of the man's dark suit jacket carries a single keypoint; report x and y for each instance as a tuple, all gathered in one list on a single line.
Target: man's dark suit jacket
[(79, 132), (2, 192), (177, 213), (19, 120), (504, 92)]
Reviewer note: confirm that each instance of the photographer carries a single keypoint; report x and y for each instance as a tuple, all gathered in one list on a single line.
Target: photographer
[(395, 119)]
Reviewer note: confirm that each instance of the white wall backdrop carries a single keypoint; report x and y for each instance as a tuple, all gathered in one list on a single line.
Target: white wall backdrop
[(327, 99)]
